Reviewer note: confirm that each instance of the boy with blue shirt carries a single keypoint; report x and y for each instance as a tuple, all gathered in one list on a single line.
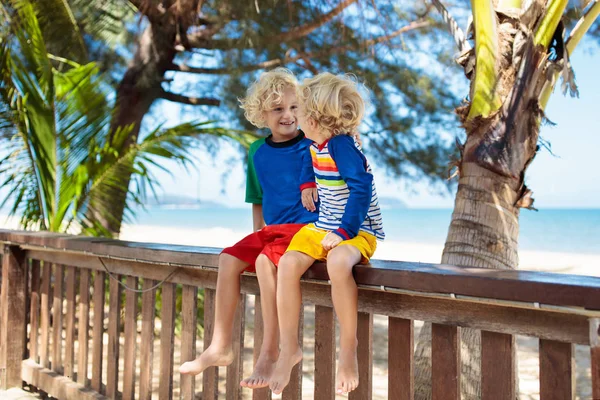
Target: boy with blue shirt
[(282, 190)]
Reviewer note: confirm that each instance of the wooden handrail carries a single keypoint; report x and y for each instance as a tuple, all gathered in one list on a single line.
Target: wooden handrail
[(536, 288)]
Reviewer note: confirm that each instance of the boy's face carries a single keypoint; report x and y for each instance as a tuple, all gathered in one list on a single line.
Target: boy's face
[(281, 118), (308, 126)]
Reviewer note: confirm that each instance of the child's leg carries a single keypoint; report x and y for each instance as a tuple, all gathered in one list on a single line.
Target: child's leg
[(289, 298), (220, 352), (266, 273), (344, 294)]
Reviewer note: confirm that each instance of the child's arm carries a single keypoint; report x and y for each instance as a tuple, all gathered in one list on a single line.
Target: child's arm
[(308, 186), (254, 191), (258, 221), (352, 166)]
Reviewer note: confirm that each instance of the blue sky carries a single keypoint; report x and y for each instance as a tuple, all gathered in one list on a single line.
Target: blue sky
[(567, 179)]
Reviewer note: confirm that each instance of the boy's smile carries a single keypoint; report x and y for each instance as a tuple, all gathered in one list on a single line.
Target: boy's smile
[(281, 118)]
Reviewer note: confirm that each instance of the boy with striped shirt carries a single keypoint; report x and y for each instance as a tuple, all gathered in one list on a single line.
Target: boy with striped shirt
[(346, 231)]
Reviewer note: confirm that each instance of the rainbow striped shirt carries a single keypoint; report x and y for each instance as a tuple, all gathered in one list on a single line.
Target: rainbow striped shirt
[(347, 198)]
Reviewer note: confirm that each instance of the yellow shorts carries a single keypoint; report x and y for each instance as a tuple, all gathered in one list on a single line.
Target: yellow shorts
[(308, 241)]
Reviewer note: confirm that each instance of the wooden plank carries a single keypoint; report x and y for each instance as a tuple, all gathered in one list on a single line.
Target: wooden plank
[(235, 370), (147, 350), (293, 391), (542, 323), (511, 285), (324, 353), (56, 385), (34, 311), (557, 380), (401, 384), (57, 319), (189, 304), (553, 325), (262, 393), (364, 391), (45, 315), (27, 306), (2, 304), (112, 354), (83, 331), (71, 282), (498, 366), (195, 276), (98, 331), (129, 355), (595, 356), (445, 362), (167, 341), (156, 252), (210, 376), (13, 316)]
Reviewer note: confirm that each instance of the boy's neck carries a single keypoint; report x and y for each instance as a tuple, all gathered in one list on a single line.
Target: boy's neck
[(283, 138), (323, 137)]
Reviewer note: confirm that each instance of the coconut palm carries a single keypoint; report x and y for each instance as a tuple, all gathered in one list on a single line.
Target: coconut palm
[(60, 151), (520, 50)]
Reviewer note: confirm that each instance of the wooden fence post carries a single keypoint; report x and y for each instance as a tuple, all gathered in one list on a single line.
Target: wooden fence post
[(13, 314)]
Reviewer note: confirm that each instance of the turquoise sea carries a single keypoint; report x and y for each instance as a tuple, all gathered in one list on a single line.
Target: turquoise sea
[(560, 230)]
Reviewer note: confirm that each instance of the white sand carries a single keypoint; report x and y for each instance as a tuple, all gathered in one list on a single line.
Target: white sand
[(572, 263)]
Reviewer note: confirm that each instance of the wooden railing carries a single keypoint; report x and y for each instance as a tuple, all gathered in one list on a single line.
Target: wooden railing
[(54, 335)]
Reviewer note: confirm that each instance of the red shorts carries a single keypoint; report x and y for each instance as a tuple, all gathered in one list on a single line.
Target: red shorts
[(272, 241)]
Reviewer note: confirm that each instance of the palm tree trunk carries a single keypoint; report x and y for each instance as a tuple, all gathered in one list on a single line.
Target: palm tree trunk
[(483, 233), (485, 223)]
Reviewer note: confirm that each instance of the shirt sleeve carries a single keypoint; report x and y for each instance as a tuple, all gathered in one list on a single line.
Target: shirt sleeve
[(254, 192), (307, 174), (352, 165)]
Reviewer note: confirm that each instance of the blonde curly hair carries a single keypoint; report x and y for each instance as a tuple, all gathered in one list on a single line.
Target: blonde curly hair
[(265, 92), (334, 102)]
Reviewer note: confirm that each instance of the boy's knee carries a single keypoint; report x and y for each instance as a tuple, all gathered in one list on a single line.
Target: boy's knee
[(229, 263), (289, 266), (263, 262), (339, 263)]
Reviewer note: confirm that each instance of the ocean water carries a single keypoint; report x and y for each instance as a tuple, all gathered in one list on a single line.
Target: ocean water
[(560, 230)]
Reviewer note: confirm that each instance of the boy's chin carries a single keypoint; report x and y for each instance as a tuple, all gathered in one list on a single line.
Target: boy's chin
[(288, 132)]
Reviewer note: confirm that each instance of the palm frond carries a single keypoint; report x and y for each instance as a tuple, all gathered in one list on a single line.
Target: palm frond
[(112, 174), (60, 29), (549, 22), (484, 99)]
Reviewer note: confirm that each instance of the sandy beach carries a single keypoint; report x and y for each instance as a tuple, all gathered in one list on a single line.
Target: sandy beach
[(571, 263)]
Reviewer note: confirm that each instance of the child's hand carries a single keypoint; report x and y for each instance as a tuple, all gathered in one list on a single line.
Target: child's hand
[(357, 138), (309, 198), (330, 241)]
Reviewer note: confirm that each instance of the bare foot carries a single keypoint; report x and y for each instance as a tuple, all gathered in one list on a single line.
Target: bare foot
[(281, 375), (262, 373), (209, 358), (347, 373)]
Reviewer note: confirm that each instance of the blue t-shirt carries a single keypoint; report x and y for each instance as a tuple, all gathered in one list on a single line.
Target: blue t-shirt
[(277, 173)]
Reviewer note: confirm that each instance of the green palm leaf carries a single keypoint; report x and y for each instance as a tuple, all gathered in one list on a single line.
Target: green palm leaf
[(484, 99)]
